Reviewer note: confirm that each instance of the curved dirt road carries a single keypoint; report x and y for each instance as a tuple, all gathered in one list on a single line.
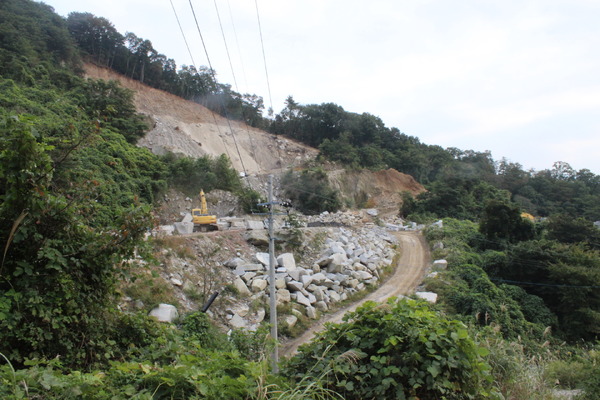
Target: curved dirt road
[(409, 272)]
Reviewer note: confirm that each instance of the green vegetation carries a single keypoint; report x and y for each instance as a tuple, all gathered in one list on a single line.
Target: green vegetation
[(310, 191), (519, 304), (530, 291), (401, 349)]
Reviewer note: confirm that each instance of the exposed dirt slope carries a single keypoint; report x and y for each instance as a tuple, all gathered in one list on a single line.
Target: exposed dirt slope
[(381, 189), (185, 127), (409, 272)]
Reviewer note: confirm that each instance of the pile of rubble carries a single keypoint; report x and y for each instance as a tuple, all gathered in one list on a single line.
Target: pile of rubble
[(351, 261)]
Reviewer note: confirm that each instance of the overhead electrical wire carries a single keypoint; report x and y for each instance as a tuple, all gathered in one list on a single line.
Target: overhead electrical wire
[(196, 68), (262, 44), (231, 66), (544, 284), (212, 71)]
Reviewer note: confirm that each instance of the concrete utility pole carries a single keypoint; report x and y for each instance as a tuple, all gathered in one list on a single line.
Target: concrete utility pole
[(272, 292)]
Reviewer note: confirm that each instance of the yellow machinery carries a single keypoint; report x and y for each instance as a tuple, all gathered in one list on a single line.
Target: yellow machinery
[(202, 221)]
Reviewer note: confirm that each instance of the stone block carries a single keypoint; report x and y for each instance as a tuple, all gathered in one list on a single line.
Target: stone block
[(311, 312), (295, 286), (258, 284), (240, 286), (164, 313), (429, 296), (183, 228), (287, 261), (283, 296)]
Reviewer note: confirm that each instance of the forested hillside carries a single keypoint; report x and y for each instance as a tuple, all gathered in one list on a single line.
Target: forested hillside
[(519, 304)]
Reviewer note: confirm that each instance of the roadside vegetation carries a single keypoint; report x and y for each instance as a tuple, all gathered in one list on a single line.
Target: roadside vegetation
[(519, 310)]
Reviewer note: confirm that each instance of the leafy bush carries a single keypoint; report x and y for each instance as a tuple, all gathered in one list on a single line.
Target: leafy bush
[(310, 192), (197, 326), (400, 349)]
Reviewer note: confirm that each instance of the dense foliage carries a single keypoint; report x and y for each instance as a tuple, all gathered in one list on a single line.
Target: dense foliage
[(458, 182), (556, 283), (310, 192), (398, 350), (136, 58), (74, 194)]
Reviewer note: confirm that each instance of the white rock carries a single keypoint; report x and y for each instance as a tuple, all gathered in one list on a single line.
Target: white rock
[(241, 287), (252, 267), (302, 299), (237, 322), (280, 283), (334, 297), (176, 282), (258, 284), (283, 296), (295, 274), (183, 228), (260, 315), (287, 261), (247, 277), (429, 296), (234, 263), (290, 320), (440, 264), (253, 225), (295, 286), (311, 312), (263, 258), (319, 278), (306, 280), (338, 262), (165, 313)]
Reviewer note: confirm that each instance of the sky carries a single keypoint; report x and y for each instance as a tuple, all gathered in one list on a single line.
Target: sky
[(520, 78)]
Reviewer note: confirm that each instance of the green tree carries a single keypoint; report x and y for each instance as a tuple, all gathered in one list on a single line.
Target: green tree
[(502, 221), (57, 275)]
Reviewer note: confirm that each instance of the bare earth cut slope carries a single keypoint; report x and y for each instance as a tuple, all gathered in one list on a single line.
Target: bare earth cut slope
[(188, 128)]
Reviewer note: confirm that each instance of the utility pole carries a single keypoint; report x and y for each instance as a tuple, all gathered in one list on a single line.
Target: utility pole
[(272, 293), (272, 289)]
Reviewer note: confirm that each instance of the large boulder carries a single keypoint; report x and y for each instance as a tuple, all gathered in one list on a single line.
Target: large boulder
[(258, 284), (258, 238), (233, 263), (338, 262), (240, 286), (302, 299), (183, 228), (263, 258), (287, 261), (164, 313)]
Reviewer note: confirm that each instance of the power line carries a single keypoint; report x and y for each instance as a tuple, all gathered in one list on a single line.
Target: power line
[(225, 42), (543, 284), (212, 71), (196, 68), (262, 44), (252, 147), (183, 34)]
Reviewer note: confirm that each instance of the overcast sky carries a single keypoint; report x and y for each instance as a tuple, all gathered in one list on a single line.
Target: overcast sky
[(520, 78)]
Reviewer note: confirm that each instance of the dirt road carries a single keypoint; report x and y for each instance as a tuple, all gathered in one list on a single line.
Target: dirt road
[(409, 272)]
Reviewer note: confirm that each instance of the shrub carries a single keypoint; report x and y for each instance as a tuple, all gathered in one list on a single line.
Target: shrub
[(397, 350)]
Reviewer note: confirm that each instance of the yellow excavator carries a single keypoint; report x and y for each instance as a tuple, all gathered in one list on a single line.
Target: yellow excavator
[(203, 222)]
